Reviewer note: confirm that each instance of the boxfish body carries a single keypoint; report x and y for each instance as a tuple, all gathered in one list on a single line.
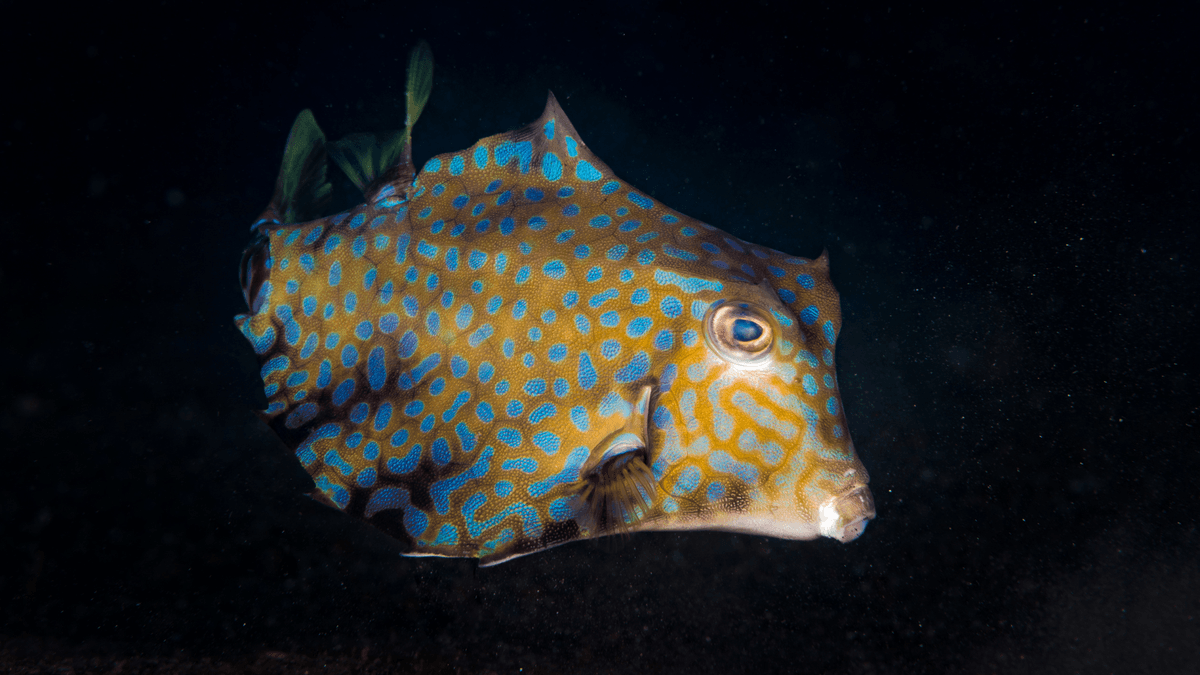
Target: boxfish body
[(513, 348)]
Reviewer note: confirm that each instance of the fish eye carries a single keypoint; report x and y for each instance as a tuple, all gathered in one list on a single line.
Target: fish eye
[(739, 332), (745, 330)]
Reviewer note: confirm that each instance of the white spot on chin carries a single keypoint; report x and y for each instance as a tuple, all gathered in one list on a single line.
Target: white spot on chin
[(828, 518)]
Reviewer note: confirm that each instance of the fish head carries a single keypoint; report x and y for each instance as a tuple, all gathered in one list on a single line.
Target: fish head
[(748, 432)]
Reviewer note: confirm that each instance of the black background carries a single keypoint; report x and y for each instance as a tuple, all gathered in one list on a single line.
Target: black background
[(1008, 195)]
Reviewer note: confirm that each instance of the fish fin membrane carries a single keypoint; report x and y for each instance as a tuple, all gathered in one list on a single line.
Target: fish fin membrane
[(302, 191), (364, 158), (618, 494), (371, 162), (420, 82)]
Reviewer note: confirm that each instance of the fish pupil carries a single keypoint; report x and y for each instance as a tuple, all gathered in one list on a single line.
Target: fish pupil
[(745, 330)]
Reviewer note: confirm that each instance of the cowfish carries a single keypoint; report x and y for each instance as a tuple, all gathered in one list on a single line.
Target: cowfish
[(513, 349)]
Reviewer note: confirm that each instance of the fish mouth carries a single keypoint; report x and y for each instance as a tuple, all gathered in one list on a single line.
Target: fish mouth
[(846, 516)]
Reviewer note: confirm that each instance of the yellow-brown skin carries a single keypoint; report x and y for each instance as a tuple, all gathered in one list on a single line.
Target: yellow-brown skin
[(701, 409)]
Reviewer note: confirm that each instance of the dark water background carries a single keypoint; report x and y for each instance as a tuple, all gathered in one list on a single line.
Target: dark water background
[(1008, 195)]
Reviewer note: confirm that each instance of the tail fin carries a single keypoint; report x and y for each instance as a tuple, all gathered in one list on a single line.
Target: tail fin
[(302, 190), (370, 162)]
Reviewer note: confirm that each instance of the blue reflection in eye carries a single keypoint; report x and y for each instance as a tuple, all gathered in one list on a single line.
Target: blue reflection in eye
[(745, 330)]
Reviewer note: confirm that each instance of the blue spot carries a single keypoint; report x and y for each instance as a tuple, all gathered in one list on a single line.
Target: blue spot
[(635, 370), (437, 386), (548, 129), (503, 198), (830, 334), (481, 157), (805, 281), (630, 225), (408, 344), (414, 408), (594, 274), (425, 212), (638, 327), (343, 391), (570, 210), (671, 307), (349, 356), (560, 509), (548, 442), (570, 298), (438, 189), (459, 366), (382, 417), (561, 387), (457, 165), (809, 314), (433, 165), (586, 373), (715, 491), (645, 257), (433, 323), (507, 150), (514, 408), (572, 151), (555, 269), (492, 186), (335, 273), (551, 166), (610, 187), (522, 275), (601, 298), (440, 451), (566, 191), (831, 405), (810, 385), (459, 401), (678, 253), (609, 349), (482, 333), (688, 480), (324, 373), (542, 412), (486, 370), (579, 417), (582, 324), (484, 411), (610, 319), (376, 370), (640, 296), (786, 295), (358, 416), (584, 171), (641, 200), (464, 316), (399, 438), (690, 337), (447, 535), (509, 436)]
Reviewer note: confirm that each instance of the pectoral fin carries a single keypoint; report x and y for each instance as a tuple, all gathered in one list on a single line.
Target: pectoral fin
[(616, 488)]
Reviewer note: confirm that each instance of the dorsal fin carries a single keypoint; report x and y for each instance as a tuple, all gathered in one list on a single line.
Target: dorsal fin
[(372, 163)]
